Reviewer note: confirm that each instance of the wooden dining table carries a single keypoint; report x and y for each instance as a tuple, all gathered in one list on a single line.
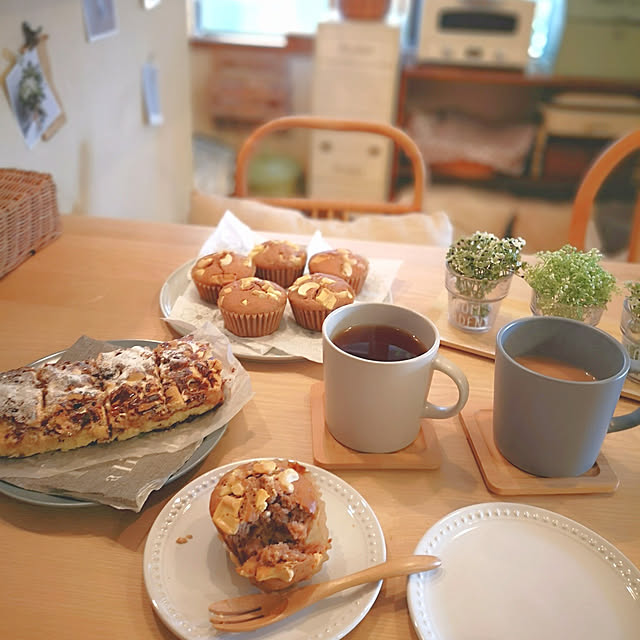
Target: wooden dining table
[(75, 574)]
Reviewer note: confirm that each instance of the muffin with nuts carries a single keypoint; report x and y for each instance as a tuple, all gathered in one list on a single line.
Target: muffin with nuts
[(314, 296), (271, 518), (280, 261), (342, 263), (252, 307), (211, 272)]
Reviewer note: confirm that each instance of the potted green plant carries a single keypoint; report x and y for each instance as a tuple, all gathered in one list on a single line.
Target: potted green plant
[(630, 323), (569, 283), (478, 275)]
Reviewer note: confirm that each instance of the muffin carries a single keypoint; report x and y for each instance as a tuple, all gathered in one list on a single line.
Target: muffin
[(210, 273), (280, 261), (252, 307), (271, 518), (342, 263), (314, 296)]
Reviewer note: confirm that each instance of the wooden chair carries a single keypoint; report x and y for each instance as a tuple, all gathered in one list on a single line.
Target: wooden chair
[(599, 170), (333, 208)]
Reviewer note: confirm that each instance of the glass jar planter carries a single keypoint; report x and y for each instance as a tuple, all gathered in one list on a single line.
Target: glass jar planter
[(630, 328), (474, 303), (544, 307)]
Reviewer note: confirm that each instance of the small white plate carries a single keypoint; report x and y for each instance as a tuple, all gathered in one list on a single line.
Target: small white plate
[(175, 285), (516, 572), (183, 579), (51, 500)]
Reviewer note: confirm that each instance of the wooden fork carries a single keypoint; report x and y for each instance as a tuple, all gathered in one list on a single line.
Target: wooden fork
[(247, 613)]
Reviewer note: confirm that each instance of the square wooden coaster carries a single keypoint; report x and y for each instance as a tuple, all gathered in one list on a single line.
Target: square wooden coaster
[(422, 453), (503, 478)]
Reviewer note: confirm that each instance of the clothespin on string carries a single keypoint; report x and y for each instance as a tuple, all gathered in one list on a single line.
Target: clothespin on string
[(32, 37)]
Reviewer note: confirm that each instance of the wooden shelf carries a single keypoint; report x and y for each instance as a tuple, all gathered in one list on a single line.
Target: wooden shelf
[(506, 88), (481, 75)]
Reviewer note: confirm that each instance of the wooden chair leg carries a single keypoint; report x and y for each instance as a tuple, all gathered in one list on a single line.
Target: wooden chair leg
[(634, 236)]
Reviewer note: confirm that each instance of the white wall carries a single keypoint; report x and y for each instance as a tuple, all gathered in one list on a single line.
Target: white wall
[(106, 161)]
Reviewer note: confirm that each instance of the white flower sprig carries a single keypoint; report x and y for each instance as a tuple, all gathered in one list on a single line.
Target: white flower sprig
[(569, 279), (634, 297), (483, 258)]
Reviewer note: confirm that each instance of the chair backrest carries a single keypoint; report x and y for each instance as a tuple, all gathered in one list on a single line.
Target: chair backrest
[(597, 173), (333, 208)]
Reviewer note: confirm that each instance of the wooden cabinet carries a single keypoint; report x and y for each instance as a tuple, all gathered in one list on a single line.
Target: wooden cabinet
[(355, 76), (509, 96)]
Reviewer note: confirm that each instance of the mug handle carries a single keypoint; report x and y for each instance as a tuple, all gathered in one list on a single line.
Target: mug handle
[(456, 374), (628, 420)]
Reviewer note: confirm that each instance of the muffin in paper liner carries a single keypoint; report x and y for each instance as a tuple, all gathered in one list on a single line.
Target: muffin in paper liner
[(211, 272), (343, 263), (252, 307), (271, 518), (279, 261), (312, 297)]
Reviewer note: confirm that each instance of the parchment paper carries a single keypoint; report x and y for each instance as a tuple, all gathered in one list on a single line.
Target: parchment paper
[(189, 311), (123, 474)]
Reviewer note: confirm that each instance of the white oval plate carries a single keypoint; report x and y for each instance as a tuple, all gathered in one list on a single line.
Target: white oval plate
[(183, 579), (516, 572)]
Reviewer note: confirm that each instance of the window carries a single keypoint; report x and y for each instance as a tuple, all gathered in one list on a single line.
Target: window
[(259, 19)]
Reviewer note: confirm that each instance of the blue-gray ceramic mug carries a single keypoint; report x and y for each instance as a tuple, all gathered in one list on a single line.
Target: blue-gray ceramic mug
[(549, 426)]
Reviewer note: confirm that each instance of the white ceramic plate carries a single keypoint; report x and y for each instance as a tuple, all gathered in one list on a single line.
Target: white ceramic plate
[(183, 579), (175, 285), (516, 572), (50, 500)]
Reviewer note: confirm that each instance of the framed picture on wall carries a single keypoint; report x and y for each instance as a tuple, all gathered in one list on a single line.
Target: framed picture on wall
[(100, 19), (32, 101)]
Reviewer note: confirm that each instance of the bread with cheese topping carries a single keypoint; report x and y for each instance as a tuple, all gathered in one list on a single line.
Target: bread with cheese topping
[(115, 396)]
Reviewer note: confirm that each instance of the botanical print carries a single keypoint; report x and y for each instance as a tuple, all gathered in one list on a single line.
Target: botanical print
[(32, 100), (100, 19)]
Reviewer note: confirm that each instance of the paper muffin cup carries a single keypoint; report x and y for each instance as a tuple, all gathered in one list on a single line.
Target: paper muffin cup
[(252, 325), (309, 319), (356, 281), (285, 277), (208, 292)]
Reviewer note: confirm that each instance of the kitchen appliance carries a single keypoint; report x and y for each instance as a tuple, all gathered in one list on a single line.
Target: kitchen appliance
[(488, 33), (601, 40)]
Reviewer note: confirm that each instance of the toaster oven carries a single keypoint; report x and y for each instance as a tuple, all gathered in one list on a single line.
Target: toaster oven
[(489, 33)]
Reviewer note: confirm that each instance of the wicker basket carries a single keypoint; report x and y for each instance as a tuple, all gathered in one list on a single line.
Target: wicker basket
[(29, 216)]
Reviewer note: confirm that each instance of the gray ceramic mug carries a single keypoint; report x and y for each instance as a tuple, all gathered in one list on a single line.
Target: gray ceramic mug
[(548, 426)]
